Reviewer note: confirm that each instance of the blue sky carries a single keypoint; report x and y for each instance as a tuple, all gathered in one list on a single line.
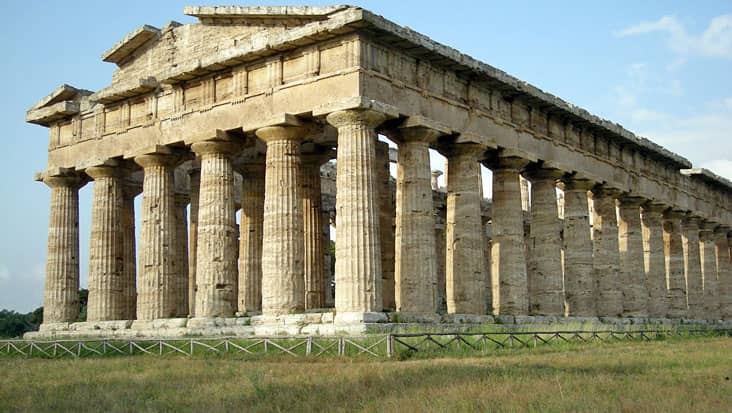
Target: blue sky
[(660, 68)]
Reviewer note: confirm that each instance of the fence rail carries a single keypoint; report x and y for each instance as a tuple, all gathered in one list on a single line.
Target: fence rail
[(377, 346)]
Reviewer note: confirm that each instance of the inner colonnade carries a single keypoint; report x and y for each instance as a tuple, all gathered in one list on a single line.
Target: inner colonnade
[(637, 232)]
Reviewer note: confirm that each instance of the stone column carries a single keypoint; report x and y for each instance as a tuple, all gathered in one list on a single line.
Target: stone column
[(386, 224), (313, 230), (709, 271), (724, 272), (181, 201), (692, 267), (606, 258), (579, 282), (358, 247), (465, 264), (673, 247), (436, 174), (159, 268), (632, 271), (216, 250), (250, 238), (61, 294), (129, 191), (283, 287), (546, 295), (655, 265), (106, 255), (195, 183), (415, 274), (508, 272)]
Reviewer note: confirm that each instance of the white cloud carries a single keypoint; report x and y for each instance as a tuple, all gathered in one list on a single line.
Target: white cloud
[(715, 41)]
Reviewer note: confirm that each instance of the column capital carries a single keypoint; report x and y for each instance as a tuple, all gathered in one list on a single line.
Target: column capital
[(215, 146), (367, 117), (674, 214), (104, 171), (417, 129), (630, 201), (691, 222), (510, 162), (654, 207), (475, 150), (572, 183), (722, 231), (282, 133), (708, 226), (156, 159), (604, 191), (537, 172), (73, 180), (313, 154)]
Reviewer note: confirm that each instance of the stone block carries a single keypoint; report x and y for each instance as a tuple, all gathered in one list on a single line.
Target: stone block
[(327, 317), (164, 323), (505, 319), (48, 327), (355, 318)]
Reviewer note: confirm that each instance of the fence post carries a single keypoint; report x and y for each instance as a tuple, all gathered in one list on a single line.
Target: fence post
[(309, 346), (389, 345)]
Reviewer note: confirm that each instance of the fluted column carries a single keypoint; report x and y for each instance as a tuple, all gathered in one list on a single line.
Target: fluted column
[(159, 269), (181, 247), (106, 255), (654, 264), (724, 272), (606, 258), (386, 224), (250, 238), (465, 264), (313, 230), (632, 271), (508, 260), (709, 271), (692, 267), (283, 286), (61, 294), (195, 184), (673, 247), (358, 248), (130, 190), (216, 250), (579, 284), (546, 296), (415, 274)]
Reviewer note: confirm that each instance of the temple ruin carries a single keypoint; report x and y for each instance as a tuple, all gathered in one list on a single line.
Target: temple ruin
[(276, 111)]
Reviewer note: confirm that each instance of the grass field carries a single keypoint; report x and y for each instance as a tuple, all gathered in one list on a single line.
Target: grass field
[(685, 375)]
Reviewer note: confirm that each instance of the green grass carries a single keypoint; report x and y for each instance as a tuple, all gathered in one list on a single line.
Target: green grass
[(666, 375)]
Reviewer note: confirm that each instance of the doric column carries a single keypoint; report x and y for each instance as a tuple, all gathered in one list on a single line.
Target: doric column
[(181, 201), (709, 271), (632, 271), (130, 190), (61, 294), (106, 255), (312, 211), (546, 296), (283, 287), (606, 258), (673, 247), (436, 174), (216, 250), (195, 183), (724, 272), (579, 284), (692, 267), (386, 224), (508, 248), (159, 269), (465, 265), (250, 237), (358, 248), (655, 265), (415, 273)]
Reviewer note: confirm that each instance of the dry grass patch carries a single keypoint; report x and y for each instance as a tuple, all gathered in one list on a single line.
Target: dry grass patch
[(675, 375)]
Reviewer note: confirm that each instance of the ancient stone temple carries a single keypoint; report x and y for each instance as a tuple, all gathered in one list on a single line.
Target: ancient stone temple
[(242, 110)]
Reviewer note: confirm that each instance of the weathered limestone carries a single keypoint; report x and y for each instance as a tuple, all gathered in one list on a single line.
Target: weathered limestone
[(606, 258), (654, 264), (415, 274), (61, 293), (673, 247), (387, 213), (692, 267), (358, 248), (181, 201), (159, 270), (283, 286), (106, 256), (709, 271), (195, 185), (216, 244), (250, 237), (466, 272), (632, 272), (508, 272), (129, 192), (546, 296), (579, 284), (724, 271), (312, 211)]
